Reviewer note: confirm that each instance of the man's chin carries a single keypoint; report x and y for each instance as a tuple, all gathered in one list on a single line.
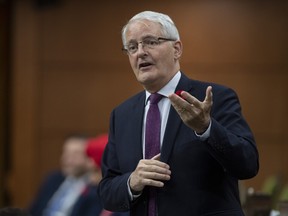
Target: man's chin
[(146, 76), (145, 81)]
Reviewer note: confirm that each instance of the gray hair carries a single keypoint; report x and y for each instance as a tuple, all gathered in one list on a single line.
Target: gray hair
[(169, 29)]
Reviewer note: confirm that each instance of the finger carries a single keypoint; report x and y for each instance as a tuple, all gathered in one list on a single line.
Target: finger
[(177, 102), (156, 157), (191, 99), (162, 168), (209, 94), (158, 176), (176, 98), (154, 183), (152, 165)]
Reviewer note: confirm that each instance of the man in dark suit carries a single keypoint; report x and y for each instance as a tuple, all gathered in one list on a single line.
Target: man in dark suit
[(68, 192), (206, 145)]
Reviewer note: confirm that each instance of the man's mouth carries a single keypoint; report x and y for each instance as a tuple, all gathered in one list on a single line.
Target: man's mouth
[(144, 65)]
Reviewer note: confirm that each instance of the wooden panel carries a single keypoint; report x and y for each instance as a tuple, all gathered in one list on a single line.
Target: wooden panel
[(24, 105), (235, 32), (83, 99), (4, 86)]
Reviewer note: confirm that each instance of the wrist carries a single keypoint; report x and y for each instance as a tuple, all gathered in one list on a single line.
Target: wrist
[(204, 128), (133, 191)]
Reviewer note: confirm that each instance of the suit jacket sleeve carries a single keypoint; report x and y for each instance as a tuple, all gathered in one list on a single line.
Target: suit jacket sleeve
[(113, 188), (122, 153), (231, 141)]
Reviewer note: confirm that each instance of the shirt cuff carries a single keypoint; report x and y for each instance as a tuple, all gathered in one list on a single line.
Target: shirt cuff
[(206, 134)]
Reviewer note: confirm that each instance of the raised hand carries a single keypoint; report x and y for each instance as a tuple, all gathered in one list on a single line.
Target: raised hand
[(194, 113)]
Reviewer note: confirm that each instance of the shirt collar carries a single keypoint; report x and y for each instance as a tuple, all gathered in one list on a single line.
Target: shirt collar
[(168, 89), (83, 178)]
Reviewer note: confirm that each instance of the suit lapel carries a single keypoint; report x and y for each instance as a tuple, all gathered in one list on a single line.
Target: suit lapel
[(174, 121), (172, 127), (138, 113)]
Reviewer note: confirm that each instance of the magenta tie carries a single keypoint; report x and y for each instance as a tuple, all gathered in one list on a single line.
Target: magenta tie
[(152, 142)]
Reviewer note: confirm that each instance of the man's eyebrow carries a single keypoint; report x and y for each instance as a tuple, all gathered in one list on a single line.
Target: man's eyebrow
[(131, 41), (143, 38)]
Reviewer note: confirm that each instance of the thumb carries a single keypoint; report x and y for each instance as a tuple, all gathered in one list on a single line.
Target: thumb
[(156, 157), (209, 95)]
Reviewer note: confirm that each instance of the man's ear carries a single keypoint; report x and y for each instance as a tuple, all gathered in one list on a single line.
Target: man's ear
[(178, 48)]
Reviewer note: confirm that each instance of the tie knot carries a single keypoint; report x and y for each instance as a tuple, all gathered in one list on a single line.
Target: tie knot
[(155, 98)]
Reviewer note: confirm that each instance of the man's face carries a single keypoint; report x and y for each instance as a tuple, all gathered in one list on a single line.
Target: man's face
[(155, 67), (74, 160)]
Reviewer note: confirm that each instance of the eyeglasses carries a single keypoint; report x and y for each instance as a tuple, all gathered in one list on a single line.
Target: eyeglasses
[(149, 42)]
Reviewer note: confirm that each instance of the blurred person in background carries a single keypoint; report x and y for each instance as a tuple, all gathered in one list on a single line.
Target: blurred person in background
[(94, 150), (68, 192)]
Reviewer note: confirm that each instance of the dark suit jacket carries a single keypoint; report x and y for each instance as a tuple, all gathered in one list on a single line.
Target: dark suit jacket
[(88, 204), (204, 174)]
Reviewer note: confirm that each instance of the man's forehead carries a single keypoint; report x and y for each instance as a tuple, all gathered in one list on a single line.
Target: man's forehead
[(140, 29), (74, 143)]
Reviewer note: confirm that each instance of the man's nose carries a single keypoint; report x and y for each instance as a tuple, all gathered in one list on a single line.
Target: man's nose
[(141, 48)]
